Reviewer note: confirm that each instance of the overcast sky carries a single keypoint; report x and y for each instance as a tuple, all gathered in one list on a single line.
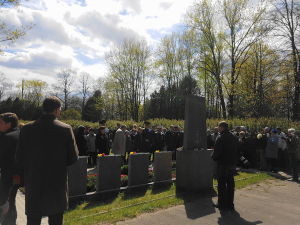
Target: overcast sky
[(77, 33)]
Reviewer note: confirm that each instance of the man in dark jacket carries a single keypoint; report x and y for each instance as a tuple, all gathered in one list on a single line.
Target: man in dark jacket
[(225, 155), (46, 148), (8, 145), (102, 141), (147, 139)]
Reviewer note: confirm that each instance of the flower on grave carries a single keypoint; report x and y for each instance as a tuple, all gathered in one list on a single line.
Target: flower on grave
[(157, 151), (132, 153), (101, 155), (92, 175)]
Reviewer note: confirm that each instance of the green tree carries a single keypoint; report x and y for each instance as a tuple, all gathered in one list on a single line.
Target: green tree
[(202, 20), (243, 28), (32, 90), (128, 66), (286, 20), (92, 110)]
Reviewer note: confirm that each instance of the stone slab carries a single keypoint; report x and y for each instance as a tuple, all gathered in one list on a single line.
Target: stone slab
[(77, 177), (138, 165), (194, 170), (162, 166), (195, 123), (109, 172)]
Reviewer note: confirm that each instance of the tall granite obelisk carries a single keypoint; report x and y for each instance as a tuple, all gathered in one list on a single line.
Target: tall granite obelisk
[(194, 166)]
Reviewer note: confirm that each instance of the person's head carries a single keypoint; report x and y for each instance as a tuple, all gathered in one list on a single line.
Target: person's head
[(274, 131), (91, 131), (208, 132), (216, 130), (52, 105), (147, 124), (172, 128), (291, 132), (176, 128), (134, 127), (123, 127), (80, 130), (266, 130), (102, 129), (242, 134), (140, 130), (222, 126), (8, 121), (102, 122), (237, 129)]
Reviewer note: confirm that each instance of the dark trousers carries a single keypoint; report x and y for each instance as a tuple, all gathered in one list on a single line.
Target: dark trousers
[(271, 164), (92, 160), (53, 220), (294, 165), (11, 217), (225, 177)]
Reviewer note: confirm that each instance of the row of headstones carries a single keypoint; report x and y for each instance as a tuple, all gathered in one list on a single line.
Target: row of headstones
[(109, 172)]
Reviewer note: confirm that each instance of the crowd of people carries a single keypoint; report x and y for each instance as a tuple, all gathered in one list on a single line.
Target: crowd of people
[(270, 149), (123, 140)]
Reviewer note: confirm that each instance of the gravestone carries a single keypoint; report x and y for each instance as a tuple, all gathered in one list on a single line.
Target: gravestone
[(194, 166), (77, 177), (162, 166), (109, 172), (138, 166)]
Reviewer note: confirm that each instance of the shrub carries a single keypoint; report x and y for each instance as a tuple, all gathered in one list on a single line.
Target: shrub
[(70, 114)]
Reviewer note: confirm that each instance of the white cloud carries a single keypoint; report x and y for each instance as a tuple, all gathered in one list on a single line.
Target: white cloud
[(78, 33)]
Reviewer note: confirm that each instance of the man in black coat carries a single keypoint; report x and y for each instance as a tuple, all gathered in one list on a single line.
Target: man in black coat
[(102, 141), (224, 154), (147, 139), (8, 145), (46, 148)]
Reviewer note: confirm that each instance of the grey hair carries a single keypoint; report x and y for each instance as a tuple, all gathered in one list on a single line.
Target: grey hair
[(291, 130)]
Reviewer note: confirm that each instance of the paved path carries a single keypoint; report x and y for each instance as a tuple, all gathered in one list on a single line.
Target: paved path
[(272, 203), (20, 204)]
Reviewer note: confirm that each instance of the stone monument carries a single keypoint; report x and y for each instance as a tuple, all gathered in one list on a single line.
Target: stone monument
[(194, 166), (138, 165), (109, 172), (77, 177)]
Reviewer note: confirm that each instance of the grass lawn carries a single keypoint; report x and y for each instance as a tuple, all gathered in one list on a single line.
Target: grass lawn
[(129, 206)]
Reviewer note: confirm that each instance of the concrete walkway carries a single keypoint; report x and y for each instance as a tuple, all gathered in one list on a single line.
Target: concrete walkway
[(273, 202), (20, 204)]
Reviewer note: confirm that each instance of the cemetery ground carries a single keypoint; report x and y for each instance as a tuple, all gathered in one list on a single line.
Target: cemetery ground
[(131, 204)]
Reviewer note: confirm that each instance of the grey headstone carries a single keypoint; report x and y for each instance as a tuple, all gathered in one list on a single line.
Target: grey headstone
[(162, 166), (194, 124), (194, 170), (138, 166), (109, 172), (77, 177), (194, 166)]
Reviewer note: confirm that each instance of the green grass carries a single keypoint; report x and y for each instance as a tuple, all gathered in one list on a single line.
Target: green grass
[(128, 206)]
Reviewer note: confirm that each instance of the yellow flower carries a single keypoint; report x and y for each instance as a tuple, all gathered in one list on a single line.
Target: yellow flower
[(157, 151), (132, 153)]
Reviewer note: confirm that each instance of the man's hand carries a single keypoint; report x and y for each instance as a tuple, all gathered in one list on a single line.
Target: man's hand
[(4, 210)]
